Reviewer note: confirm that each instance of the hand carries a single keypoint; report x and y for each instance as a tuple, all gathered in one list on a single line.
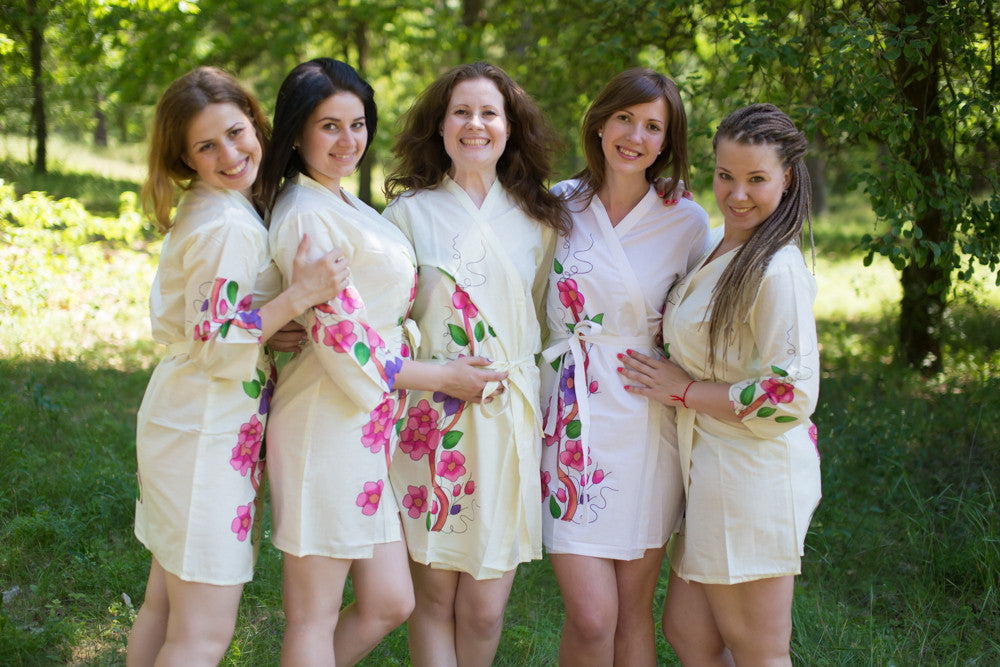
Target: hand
[(669, 194), (467, 377), (289, 338), (658, 379), (319, 280)]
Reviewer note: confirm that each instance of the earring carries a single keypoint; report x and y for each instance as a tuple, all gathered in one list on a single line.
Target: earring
[(600, 133)]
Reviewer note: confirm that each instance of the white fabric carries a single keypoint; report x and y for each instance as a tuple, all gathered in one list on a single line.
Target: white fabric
[(611, 482)]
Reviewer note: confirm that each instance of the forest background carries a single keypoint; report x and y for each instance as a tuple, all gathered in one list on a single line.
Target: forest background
[(899, 99)]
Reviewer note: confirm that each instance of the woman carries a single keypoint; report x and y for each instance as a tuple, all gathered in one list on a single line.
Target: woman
[(469, 194), (611, 485), (744, 377), (200, 424), (332, 430)]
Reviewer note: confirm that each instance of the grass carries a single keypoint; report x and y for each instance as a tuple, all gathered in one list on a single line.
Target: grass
[(903, 557)]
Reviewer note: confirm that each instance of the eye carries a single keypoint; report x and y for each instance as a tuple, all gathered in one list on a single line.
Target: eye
[(490, 112), (623, 117), (358, 125), (329, 126), (722, 176), (204, 148), (653, 127), (757, 179), (235, 132), (461, 112)]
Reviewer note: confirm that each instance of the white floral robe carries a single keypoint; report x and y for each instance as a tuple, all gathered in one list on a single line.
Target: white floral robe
[(751, 486), (466, 475), (333, 418), (199, 428), (611, 485)]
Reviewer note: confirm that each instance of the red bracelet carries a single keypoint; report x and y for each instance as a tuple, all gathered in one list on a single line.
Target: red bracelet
[(683, 396)]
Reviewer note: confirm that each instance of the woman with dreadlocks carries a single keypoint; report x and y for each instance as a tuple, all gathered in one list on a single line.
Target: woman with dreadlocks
[(743, 373)]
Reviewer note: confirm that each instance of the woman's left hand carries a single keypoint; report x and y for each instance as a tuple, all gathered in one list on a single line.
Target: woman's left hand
[(658, 379), (670, 194), (289, 338)]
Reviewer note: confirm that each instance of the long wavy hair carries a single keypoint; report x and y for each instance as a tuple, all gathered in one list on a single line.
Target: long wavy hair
[(524, 167), (733, 295), (181, 102), (307, 85), (638, 85)]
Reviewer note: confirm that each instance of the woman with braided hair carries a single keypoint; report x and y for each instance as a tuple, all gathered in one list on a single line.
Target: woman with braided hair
[(743, 373)]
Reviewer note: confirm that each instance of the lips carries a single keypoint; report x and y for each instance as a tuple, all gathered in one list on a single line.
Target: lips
[(475, 142), (238, 169), (627, 153)]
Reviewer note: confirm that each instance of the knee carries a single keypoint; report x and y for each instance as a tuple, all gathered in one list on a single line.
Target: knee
[(592, 623), (390, 610), (483, 619), (435, 603)]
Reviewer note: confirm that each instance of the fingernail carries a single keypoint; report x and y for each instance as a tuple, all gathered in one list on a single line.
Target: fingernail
[(620, 369), (630, 352), (621, 356), (673, 201), (627, 387)]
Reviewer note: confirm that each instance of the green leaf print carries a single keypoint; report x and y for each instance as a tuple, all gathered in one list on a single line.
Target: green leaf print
[(252, 389), (557, 266), (666, 349), (763, 413), (451, 439), (598, 318), (780, 372), (492, 332), (458, 334), (573, 429), (746, 396), (224, 329), (399, 425), (786, 419), (554, 508), (428, 521), (555, 363), (260, 377), (480, 331), (362, 353), (447, 274), (232, 291)]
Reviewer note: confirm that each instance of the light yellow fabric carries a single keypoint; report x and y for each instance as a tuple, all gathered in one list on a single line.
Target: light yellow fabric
[(610, 472), (466, 476), (331, 435), (203, 413), (751, 486)]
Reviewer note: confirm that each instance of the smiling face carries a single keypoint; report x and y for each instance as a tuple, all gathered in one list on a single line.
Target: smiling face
[(222, 147), (632, 137), (475, 128), (748, 185), (333, 139)]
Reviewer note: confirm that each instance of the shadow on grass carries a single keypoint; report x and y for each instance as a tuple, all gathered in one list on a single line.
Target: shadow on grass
[(98, 194)]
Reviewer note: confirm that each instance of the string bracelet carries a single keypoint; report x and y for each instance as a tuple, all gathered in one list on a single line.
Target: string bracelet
[(682, 399)]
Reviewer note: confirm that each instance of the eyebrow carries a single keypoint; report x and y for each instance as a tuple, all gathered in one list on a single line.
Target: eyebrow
[(335, 119), (655, 120), (228, 130)]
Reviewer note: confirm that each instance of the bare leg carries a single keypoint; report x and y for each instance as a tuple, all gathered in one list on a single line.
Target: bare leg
[(431, 626), (313, 589), (383, 599), (755, 620), (590, 595), (150, 627), (689, 626), (479, 607), (635, 636), (200, 624)]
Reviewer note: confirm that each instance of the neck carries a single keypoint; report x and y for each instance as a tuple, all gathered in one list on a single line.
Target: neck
[(621, 194), (475, 183)]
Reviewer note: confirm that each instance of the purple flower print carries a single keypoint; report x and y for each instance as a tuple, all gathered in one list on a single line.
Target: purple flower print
[(567, 384), (392, 367), (451, 404)]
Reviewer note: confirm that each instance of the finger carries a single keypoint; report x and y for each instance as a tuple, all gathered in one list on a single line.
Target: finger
[(303, 250), (477, 361)]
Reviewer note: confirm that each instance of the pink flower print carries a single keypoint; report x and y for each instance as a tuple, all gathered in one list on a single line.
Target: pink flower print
[(777, 391), (415, 501), (434, 507), (368, 499), (546, 478), (420, 434), (374, 340), (451, 465), (245, 302), (460, 299), (598, 476), (340, 336), (350, 300), (247, 449), (455, 492), (202, 332), (243, 522), (561, 495), (814, 434), (569, 296), (470, 488), (376, 432), (550, 440), (593, 387), (572, 456)]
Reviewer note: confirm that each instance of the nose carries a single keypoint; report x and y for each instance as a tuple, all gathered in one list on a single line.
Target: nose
[(739, 191), (230, 149), (475, 120)]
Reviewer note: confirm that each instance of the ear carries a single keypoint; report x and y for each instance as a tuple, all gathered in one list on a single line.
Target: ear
[(788, 177), (185, 160)]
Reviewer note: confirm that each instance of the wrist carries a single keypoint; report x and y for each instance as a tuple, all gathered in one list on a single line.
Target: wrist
[(683, 395)]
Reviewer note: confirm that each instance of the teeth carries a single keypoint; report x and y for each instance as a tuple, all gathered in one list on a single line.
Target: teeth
[(475, 142), (237, 169), (628, 153)]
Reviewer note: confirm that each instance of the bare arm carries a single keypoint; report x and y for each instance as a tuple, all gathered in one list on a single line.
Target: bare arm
[(463, 378), (664, 381)]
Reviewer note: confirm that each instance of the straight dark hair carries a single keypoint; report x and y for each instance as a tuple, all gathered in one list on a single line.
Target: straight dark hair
[(307, 85)]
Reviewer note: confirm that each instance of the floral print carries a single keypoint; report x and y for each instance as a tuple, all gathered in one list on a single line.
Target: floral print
[(369, 499), (243, 523), (772, 390), (221, 311)]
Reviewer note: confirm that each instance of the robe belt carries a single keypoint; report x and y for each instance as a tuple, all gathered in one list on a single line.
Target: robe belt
[(591, 332), (516, 376)]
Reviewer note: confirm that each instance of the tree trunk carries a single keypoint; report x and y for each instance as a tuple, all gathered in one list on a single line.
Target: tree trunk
[(101, 128), (817, 175), (925, 286), (36, 21), (365, 168)]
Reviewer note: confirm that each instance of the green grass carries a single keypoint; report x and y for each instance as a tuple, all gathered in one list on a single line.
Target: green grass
[(903, 557)]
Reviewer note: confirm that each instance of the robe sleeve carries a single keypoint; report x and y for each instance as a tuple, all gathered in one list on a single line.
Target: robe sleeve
[(351, 352), (221, 262), (785, 390), (541, 285)]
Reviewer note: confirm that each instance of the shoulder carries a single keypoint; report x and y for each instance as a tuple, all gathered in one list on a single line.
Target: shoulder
[(787, 270), (217, 214), (564, 188)]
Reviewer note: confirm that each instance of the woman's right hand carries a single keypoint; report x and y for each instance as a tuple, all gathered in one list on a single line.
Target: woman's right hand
[(317, 281), (466, 378), (670, 194)]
